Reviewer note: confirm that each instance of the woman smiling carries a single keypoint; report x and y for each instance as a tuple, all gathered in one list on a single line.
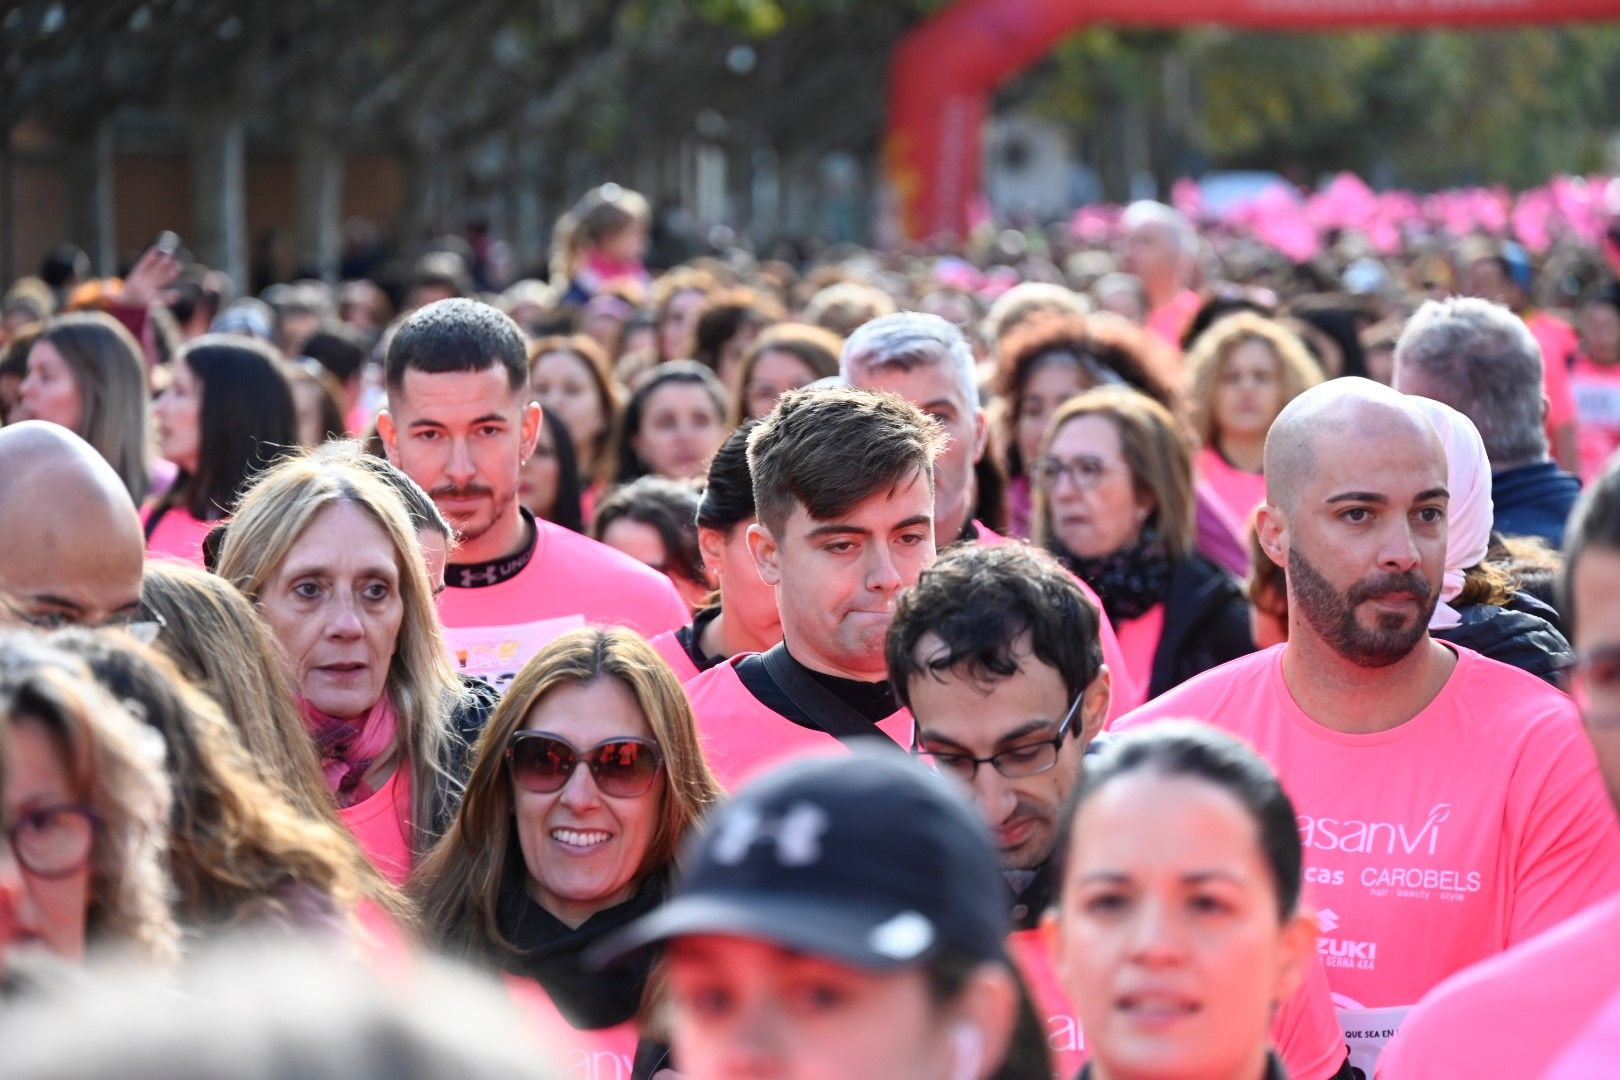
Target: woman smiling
[(584, 784)]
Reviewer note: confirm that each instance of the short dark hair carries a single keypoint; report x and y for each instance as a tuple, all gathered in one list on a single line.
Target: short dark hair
[(1184, 748), (832, 448), (1594, 523), (338, 349), (728, 498), (247, 421), (457, 335), (670, 508), (981, 602)]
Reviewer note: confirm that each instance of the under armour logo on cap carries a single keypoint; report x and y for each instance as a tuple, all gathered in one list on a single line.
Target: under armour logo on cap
[(796, 834)]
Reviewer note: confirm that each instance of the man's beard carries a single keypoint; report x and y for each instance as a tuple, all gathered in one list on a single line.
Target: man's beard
[(1332, 614), (475, 529)]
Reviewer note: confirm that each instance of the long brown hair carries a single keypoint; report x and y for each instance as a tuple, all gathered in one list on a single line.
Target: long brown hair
[(110, 374), (458, 883), (116, 768), (235, 843)]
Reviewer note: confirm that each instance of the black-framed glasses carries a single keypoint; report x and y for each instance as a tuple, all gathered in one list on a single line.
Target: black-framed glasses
[(623, 768), (54, 841), (1085, 471), (1026, 759), (143, 628)]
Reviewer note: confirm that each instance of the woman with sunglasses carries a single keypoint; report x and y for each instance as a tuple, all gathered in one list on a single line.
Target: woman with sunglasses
[(1114, 502), (584, 783), (84, 821)]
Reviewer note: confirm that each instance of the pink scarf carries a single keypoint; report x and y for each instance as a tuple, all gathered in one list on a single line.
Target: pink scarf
[(349, 748)]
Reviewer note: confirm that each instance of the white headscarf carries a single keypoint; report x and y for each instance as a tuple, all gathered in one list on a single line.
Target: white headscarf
[(1468, 478)]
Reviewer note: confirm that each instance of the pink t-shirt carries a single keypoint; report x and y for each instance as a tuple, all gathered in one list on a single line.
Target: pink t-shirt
[(1476, 825), (580, 1054), (381, 826), (1170, 319), (1514, 1014), (178, 536), (1139, 642), (569, 582), (669, 647), (1304, 1030), (1596, 388), (1558, 342), (1127, 684), (1239, 493), (741, 736), (1593, 1051)]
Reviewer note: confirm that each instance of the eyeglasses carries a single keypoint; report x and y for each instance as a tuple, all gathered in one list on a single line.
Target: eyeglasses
[(54, 841), (623, 768), (144, 630), (1085, 471), (1029, 759)]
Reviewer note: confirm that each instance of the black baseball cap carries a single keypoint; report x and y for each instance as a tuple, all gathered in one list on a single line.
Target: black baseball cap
[(866, 858)]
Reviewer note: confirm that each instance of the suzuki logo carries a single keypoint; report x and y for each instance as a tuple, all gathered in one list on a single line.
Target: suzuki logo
[(1327, 920)]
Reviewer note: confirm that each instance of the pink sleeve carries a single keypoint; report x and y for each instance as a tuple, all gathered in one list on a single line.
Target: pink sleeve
[(667, 611), (1306, 1030), (1568, 855), (1557, 343)]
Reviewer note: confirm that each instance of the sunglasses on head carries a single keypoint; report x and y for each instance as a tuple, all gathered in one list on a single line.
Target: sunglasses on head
[(623, 768)]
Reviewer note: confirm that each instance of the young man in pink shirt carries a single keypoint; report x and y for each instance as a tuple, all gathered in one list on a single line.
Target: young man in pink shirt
[(461, 423), (1448, 804), (843, 485), (995, 653), (1555, 994), (927, 361)]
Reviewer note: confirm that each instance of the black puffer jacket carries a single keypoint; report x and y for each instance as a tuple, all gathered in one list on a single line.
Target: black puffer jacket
[(1206, 623), (1516, 635)]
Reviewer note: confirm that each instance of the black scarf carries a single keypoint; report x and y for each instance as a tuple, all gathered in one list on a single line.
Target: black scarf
[(552, 953), (1129, 581)]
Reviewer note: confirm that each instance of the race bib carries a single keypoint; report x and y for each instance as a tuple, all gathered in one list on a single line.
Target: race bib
[(497, 653), (1597, 403), (1367, 1032)]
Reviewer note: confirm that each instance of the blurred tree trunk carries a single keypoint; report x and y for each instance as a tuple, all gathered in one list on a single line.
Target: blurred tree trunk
[(218, 192)]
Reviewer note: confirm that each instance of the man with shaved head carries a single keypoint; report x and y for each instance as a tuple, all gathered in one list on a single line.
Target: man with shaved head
[(1449, 805), (72, 547)]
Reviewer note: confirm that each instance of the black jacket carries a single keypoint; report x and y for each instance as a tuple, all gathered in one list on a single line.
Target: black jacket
[(1517, 635), (467, 722), (1534, 500), (1206, 623)]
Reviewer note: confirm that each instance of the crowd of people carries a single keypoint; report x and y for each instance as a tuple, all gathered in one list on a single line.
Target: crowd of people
[(1130, 656)]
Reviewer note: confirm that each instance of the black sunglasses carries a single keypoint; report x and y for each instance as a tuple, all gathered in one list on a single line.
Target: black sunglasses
[(623, 768)]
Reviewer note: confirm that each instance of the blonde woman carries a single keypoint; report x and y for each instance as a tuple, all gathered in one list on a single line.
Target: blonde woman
[(84, 822), (584, 784), (222, 647), (1114, 502), (1241, 373), (326, 552)]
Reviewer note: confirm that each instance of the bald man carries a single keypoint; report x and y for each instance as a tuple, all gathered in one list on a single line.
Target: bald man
[(1449, 805), (70, 538)]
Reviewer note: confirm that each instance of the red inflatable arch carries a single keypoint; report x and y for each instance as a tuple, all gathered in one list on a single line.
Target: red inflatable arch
[(945, 71)]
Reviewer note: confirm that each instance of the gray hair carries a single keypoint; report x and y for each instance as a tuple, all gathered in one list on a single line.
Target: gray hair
[(1147, 212), (906, 340), (1481, 359)]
